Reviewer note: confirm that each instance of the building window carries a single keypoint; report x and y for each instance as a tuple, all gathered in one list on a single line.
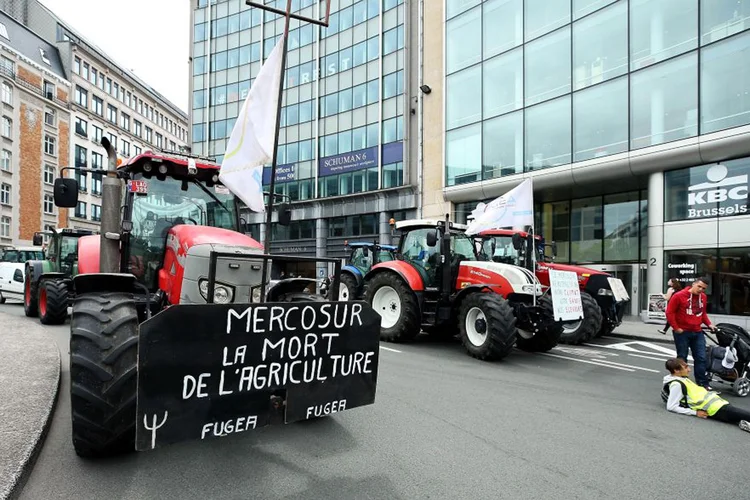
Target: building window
[(96, 183), (82, 97), (723, 18), (81, 210), (660, 30), (97, 134), (502, 146), (85, 72), (5, 194), (5, 227), (125, 121), (49, 204), (136, 150), (586, 230), (664, 102), (97, 160), (502, 84), (93, 76), (463, 154), (600, 46), (50, 117), (49, 90), (96, 213), (50, 144), (6, 161), (97, 105), (148, 134), (125, 149), (548, 134), (81, 127), (725, 83), (7, 127), (137, 128), (108, 87), (112, 114), (81, 155), (600, 120), (112, 139), (622, 227), (547, 67), (77, 65), (49, 174), (463, 40), (7, 94), (543, 16)]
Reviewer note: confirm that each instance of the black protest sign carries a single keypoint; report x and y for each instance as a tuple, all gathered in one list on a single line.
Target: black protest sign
[(208, 371)]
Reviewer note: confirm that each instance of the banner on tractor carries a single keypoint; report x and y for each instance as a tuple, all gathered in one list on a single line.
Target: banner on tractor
[(513, 209), (207, 371), (566, 295)]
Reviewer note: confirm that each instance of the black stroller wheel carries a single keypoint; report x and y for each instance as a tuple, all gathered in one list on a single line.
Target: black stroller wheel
[(741, 387)]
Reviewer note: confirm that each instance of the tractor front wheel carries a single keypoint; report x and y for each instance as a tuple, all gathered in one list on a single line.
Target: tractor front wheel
[(347, 288), (103, 369), (30, 291), (53, 302), (487, 326), (547, 335), (584, 329), (397, 306)]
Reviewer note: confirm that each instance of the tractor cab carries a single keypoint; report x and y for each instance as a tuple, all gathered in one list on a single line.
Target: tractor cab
[(513, 247), (363, 255)]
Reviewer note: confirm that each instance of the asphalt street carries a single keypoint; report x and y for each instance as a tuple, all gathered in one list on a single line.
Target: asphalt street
[(578, 422)]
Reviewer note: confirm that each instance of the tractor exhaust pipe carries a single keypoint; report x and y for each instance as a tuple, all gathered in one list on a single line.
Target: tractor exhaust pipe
[(109, 256)]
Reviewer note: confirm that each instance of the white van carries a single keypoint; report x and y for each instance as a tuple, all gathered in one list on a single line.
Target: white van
[(12, 267)]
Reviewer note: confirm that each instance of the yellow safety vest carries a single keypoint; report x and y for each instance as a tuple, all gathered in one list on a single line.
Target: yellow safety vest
[(699, 398)]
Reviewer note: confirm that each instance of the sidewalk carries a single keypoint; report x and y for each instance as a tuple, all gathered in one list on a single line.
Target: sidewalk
[(633, 328), (29, 381)]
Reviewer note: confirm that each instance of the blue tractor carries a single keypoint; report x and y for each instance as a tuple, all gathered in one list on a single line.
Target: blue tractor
[(363, 255)]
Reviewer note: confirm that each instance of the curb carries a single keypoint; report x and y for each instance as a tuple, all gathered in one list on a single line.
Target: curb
[(665, 340), (30, 461)]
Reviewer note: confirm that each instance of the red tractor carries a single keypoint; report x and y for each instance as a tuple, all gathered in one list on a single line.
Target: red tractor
[(438, 284), (602, 311), (176, 331)]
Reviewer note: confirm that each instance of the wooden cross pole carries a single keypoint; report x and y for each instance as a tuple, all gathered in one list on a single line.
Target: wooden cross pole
[(288, 16)]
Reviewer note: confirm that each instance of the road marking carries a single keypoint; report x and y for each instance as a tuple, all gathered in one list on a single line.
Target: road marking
[(655, 359), (597, 363), (631, 366), (389, 349)]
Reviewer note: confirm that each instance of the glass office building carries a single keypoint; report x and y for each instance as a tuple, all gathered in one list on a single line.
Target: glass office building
[(631, 116), (345, 118)]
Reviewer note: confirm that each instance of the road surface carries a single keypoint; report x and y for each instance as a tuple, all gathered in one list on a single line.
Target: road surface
[(578, 422)]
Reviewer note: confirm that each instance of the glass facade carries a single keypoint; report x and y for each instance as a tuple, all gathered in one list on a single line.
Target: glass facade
[(533, 84), (343, 106)]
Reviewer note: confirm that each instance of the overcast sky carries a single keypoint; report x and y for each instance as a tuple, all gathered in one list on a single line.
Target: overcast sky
[(149, 37)]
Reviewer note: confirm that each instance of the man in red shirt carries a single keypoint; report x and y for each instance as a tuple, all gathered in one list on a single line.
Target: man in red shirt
[(686, 312)]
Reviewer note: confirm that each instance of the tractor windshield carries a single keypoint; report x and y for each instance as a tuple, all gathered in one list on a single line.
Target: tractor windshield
[(166, 205), (504, 251)]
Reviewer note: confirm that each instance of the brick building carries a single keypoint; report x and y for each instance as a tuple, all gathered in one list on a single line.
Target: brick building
[(34, 132)]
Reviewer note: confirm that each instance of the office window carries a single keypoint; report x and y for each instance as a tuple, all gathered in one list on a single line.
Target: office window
[(586, 230), (125, 148), (502, 26), (5, 227), (7, 94), (600, 120), (112, 139), (600, 46), (462, 105), (125, 121), (725, 84), (97, 105), (6, 161), (159, 140), (50, 117), (584, 7), (97, 138), (660, 30), (463, 40), (81, 210), (7, 127), (5, 193), (50, 145), (664, 102), (49, 174), (547, 67), (85, 72), (49, 204), (621, 227), (502, 144), (96, 213), (723, 18), (463, 154), (543, 16), (112, 114), (148, 134), (77, 65), (81, 127), (82, 97), (502, 84), (548, 134), (137, 128)]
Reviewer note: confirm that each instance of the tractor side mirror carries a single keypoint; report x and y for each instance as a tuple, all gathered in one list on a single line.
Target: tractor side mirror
[(431, 239), (517, 241), (285, 214), (38, 239), (66, 192)]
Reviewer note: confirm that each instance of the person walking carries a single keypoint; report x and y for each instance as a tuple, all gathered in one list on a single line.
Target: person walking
[(686, 313), (674, 286)]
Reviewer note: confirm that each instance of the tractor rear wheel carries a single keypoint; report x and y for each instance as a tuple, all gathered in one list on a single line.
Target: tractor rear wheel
[(103, 369), (30, 291), (53, 302), (584, 329), (397, 306), (487, 326), (548, 335), (347, 288)]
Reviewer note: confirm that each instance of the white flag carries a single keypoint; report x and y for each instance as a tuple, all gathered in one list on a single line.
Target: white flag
[(515, 208), (251, 144)]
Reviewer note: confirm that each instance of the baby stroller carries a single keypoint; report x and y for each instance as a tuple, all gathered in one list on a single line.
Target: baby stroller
[(728, 360)]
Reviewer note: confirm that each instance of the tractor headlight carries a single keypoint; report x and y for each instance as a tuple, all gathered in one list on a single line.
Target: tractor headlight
[(256, 295), (604, 291), (532, 289), (223, 293)]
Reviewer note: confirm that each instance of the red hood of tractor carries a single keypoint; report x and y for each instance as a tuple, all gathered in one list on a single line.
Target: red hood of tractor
[(189, 236)]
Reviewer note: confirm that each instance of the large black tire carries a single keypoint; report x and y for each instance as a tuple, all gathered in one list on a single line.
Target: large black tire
[(53, 302), (588, 327), (103, 373), (487, 326), (392, 293), (606, 328), (352, 290), (548, 335), (2, 299), (30, 292)]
